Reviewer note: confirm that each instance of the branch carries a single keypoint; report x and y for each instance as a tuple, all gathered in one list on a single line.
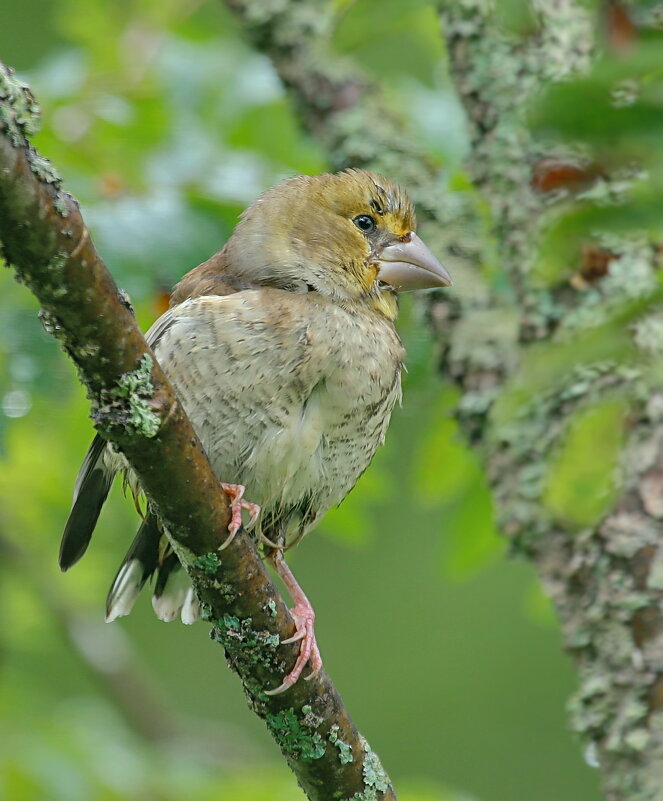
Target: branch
[(606, 580), (337, 103), (602, 575), (134, 407)]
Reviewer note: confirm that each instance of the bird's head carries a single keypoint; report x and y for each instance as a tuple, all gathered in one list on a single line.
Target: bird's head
[(350, 235)]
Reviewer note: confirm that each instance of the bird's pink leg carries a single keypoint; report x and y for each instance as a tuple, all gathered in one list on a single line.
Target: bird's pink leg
[(237, 503), (304, 617)]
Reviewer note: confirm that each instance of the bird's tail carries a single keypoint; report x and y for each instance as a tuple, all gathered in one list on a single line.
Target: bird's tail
[(90, 492), (150, 553)]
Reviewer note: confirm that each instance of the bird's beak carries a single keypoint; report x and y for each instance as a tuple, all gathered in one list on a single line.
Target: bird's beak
[(410, 265)]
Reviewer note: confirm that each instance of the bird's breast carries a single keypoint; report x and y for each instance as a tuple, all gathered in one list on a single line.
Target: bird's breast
[(350, 382), (291, 395)]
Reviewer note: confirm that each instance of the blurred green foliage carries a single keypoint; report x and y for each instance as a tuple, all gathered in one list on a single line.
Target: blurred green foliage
[(614, 118), (165, 124), (580, 490), (373, 35), (600, 172)]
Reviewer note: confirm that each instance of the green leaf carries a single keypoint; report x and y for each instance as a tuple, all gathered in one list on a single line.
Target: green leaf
[(544, 366), (474, 541), (617, 108), (392, 39), (515, 16), (581, 481), (443, 465), (560, 249)]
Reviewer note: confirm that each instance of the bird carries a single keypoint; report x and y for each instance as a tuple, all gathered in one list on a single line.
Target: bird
[(283, 350)]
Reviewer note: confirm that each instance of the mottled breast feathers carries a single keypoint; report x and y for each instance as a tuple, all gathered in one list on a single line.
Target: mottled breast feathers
[(306, 388)]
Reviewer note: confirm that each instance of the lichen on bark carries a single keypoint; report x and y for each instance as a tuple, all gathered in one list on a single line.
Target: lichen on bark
[(593, 342)]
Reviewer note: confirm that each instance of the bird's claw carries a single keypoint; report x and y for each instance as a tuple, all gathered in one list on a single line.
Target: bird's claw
[(315, 670), (304, 616), (235, 493), (296, 637)]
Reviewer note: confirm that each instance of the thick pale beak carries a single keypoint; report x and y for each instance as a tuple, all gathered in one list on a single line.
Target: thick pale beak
[(410, 265)]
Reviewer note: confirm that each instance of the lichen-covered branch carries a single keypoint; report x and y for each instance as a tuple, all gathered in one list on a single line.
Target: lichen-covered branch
[(134, 406), (604, 576), (339, 104)]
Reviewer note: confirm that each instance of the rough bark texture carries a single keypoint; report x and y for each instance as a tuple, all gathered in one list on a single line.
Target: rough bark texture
[(605, 578), (44, 238)]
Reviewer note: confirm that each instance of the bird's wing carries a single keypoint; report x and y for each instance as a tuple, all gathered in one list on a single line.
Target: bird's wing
[(212, 277), (94, 481), (195, 321), (90, 491)]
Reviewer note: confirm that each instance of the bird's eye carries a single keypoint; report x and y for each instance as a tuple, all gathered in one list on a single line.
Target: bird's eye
[(365, 223)]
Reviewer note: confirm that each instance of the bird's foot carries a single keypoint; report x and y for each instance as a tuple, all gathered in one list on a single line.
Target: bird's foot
[(304, 617), (235, 493)]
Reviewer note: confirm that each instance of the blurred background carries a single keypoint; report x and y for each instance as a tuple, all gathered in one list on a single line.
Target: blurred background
[(165, 125)]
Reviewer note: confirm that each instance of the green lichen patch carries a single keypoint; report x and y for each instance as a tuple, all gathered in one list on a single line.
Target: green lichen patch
[(310, 719), (344, 750), (271, 607), (19, 111), (138, 381), (49, 277), (296, 739), (19, 120), (51, 324), (225, 589), (208, 563), (245, 647), (375, 777), (44, 169), (85, 351), (638, 739), (61, 204), (125, 300), (52, 281), (127, 404)]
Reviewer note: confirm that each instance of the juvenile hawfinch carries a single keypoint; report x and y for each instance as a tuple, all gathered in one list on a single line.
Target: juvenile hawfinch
[(283, 351)]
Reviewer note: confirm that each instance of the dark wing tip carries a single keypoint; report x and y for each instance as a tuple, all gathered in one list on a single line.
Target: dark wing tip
[(83, 517)]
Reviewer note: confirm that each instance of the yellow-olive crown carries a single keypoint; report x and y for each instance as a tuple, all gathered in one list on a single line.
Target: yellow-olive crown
[(324, 232)]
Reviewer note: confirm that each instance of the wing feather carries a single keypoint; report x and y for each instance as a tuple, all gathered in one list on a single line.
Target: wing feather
[(90, 492)]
